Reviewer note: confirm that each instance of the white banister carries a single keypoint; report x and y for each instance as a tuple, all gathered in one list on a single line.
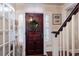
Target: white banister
[(63, 41), (60, 43), (67, 36), (73, 36)]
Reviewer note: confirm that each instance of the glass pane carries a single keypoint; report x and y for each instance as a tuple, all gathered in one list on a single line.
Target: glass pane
[(6, 9), (6, 49), (1, 23), (1, 50), (11, 45), (11, 54), (11, 25), (1, 17), (18, 50), (11, 48), (1, 37), (6, 24), (6, 37)]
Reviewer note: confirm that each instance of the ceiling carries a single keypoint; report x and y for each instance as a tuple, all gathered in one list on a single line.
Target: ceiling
[(23, 5)]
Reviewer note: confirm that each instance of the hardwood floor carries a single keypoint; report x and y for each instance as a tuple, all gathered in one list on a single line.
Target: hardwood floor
[(49, 53)]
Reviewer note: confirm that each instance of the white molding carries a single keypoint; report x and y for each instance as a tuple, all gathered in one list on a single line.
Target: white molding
[(78, 25)]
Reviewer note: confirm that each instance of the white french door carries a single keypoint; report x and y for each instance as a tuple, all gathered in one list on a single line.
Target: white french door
[(7, 30)]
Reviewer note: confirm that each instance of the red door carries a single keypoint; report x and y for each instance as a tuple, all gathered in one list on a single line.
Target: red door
[(34, 34)]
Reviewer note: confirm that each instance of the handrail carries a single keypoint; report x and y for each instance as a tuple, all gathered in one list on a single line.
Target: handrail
[(74, 11)]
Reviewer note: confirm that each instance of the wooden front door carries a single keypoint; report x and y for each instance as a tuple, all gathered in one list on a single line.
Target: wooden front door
[(34, 33)]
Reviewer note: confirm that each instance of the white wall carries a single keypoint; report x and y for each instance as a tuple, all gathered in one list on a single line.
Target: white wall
[(47, 10)]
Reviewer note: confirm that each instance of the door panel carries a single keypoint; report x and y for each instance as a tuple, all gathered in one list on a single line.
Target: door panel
[(34, 33)]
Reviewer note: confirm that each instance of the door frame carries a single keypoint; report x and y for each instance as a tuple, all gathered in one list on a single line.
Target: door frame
[(43, 31)]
